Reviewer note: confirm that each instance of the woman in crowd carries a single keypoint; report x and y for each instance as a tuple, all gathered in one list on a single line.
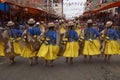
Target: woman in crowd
[(15, 37), (72, 46), (12, 42), (49, 50), (91, 44), (31, 44), (111, 44)]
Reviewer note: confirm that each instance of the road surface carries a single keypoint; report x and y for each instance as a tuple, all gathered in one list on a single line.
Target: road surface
[(96, 70)]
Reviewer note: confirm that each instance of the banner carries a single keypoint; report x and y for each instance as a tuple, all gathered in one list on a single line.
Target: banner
[(4, 7), (74, 4)]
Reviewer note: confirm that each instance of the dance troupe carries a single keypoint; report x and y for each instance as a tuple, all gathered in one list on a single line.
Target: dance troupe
[(49, 42)]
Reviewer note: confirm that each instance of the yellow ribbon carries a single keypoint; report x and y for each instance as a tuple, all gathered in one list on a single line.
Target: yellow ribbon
[(35, 36)]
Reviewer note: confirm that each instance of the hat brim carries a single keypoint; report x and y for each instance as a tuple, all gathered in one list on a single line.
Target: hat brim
[(51, 25), (12, 24), (71, 24), (89, 22), (31, 22), (108, 25)]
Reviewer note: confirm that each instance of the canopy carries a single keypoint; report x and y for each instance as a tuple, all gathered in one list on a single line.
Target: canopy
[(27, 8), (108, 6), (31, 10), (114, 4)]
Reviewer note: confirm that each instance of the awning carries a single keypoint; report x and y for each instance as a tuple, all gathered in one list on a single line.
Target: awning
[(32, 10), (112, 5), (29, 9), (87, 13), (108, 6), (17, 7)]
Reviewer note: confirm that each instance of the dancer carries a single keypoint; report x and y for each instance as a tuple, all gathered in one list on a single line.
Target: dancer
[(49, 50), (30, 39), (92, 44), (72, 46), (111, 44)]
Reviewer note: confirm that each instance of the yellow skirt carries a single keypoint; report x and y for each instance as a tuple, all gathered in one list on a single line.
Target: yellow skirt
[(72, 49), (2, 53), (17, 47), (48, 52), (111, 48), (91, 48), (27, 52)]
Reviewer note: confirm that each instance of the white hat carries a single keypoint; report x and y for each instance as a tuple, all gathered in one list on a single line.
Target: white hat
[(38, 23), (10, 23), (109, 23), (51, 24), (31, 21), (90, 21), (71, 23), (56, 20), (62, 20), (42, 22)]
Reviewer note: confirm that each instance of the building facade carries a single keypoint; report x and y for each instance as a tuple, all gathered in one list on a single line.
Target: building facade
[(58, 7), (32, 3), (53, 6), (96, 4)]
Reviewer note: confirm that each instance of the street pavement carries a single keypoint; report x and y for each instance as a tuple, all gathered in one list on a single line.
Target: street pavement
[(96, 70)]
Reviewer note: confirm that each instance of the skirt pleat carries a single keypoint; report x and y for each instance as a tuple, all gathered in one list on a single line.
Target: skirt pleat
[(48, 52), (72, 49), (111, 47), (17, 47), (91, 48), (27, 52)]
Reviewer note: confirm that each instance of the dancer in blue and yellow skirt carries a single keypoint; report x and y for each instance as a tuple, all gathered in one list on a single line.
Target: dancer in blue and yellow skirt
[(12, 46), (29, 36), (72, 46), (49, 50), (111, 44), (15, 37), (91, 44)]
